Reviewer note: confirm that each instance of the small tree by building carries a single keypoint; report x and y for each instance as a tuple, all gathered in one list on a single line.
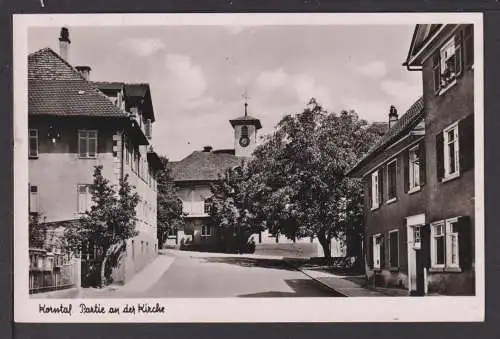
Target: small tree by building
[(37, 231), (110, 221)]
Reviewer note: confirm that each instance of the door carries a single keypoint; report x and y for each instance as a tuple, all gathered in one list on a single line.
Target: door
[(416, 266)]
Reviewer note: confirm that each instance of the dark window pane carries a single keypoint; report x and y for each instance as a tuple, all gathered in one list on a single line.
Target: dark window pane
[(393, 239), (440, 250)]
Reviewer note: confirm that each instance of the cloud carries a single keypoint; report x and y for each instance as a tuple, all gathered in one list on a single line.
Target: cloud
[(373, 69), (401, 90), (270, 80), (279, 86), (144, 46), (185, 80)]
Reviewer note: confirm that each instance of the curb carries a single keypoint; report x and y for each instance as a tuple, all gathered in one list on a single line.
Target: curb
[(317, 280)]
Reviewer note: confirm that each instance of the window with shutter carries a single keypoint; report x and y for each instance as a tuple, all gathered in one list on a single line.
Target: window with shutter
[(436, 70), (369, 253), (381, 186), (450, 64), (421, 159), (377, 257)]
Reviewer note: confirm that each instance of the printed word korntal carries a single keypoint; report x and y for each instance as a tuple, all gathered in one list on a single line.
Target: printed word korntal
[(60, 309)]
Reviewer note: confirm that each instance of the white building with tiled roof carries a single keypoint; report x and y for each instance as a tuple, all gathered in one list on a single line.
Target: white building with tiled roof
[(75, 125), (194, 174)]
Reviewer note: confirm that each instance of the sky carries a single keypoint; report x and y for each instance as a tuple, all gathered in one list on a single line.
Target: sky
[(199, 74)]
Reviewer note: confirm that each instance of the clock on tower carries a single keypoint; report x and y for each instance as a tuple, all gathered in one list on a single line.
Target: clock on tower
[(245, 134)]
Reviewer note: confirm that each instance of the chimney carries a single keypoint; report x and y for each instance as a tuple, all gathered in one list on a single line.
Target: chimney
[(84, 71), (207, 149), (393, 116), (64, 43)]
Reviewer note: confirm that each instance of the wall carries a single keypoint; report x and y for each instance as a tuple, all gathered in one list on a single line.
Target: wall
[(58, 169), (392, 216), (252, 135), (455, 197)]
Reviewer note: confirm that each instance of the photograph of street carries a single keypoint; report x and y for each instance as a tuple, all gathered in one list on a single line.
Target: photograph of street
[(252, 161)]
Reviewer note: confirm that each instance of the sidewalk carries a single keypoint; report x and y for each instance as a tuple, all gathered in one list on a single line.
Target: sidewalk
[(141, 282), (351, 286)]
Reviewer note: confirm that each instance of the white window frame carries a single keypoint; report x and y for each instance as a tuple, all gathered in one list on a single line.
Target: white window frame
[(414, 169), (35, 136), (391, 234), (377, 259), (393, 199), (206, 206), (375, 190), (84, 205), (449, 46), (446, 152), (204, 232), (450, 237), (434, 226), (83, 136)]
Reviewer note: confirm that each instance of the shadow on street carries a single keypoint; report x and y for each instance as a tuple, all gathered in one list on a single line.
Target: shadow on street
[(252, 262), (301, 288)]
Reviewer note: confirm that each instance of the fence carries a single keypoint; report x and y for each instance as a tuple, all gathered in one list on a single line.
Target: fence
[(52, 271)]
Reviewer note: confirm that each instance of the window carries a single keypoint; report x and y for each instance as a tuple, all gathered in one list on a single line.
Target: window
[(126, 149), (33, 143), (391, 180), (377, 250), (206, 207), (84, 198), (394, 248), (438, 245), (206, 230), (244, 131), (33, 202), (87, 144), (452, 243), (445, 244), (375, 190), (451, 152), (447, 63), (414, 168)]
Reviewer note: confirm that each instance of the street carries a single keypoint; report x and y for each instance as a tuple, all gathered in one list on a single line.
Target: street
[(213, 275)]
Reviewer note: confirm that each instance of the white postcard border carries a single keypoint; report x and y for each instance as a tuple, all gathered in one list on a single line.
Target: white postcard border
[(403, 309)]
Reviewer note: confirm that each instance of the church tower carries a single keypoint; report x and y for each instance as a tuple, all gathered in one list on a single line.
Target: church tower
[(245, 134)]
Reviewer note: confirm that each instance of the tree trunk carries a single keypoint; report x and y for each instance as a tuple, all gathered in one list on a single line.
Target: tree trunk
[(325, 244)]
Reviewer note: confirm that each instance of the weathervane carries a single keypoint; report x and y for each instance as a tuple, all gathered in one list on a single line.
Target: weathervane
[(246, 97)]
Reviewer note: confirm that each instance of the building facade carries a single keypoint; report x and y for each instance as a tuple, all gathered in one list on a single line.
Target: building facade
[(419, 179), (75, 126)]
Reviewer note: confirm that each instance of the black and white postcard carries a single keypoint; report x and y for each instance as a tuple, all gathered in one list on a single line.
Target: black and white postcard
[(249, 167)]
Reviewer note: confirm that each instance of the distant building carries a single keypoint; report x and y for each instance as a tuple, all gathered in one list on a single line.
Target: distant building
[(194, 174), (419, 179), (74, 125)]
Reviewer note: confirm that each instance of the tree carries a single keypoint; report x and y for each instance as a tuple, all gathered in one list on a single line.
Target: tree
[(297, 175), (37, 232), (110, 221), (170, 216), (231, 208)]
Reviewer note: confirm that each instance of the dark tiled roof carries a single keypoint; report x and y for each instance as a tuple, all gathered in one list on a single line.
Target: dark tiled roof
[(56, 88), (246, 118), (406, 121), (200, 166)]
